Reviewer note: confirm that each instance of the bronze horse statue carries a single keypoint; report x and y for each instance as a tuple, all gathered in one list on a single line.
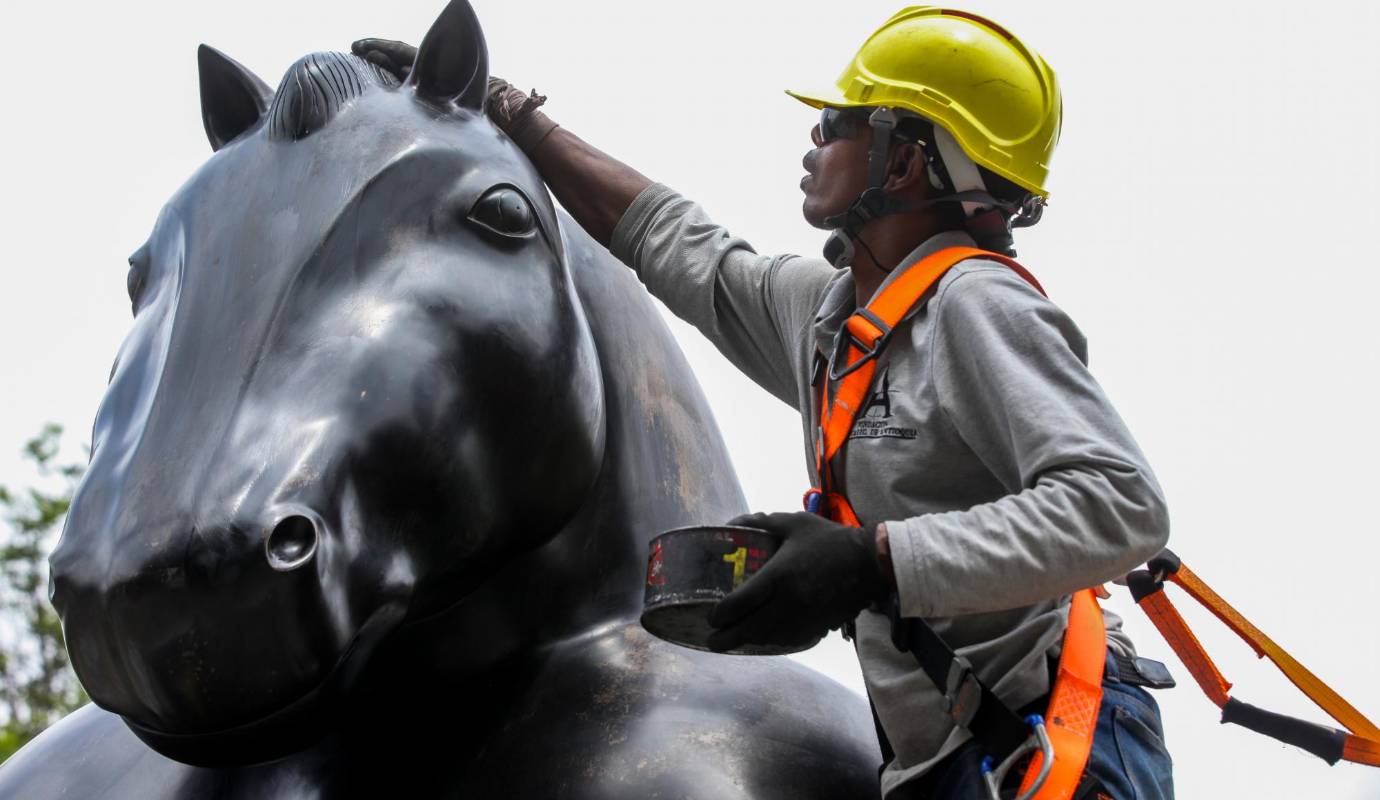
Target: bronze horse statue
[(372, 484)]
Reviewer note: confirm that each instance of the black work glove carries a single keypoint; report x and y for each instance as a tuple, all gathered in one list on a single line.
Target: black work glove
[(391, 56), (512, 110), (823, 575)]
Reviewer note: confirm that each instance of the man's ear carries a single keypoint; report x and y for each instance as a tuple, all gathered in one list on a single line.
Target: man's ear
[(907, 170)]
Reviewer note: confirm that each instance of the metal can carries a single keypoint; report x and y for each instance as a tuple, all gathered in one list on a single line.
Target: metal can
[(691, 569)]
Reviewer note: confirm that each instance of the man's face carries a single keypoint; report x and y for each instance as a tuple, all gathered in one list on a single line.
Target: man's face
[(836, 167)]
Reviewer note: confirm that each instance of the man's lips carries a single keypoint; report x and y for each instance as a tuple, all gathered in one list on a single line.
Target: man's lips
[(808, 162)]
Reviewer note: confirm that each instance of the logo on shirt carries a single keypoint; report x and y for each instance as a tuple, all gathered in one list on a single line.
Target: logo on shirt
[(874, 422)]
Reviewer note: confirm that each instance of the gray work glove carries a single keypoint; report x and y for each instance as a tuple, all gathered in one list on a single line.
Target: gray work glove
[(509, 108)]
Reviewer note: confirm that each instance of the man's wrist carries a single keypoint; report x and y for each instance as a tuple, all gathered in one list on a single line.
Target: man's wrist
[(882, 546), (529, 132)]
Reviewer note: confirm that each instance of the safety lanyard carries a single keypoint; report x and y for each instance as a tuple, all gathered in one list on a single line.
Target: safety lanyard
[(1359, 743)]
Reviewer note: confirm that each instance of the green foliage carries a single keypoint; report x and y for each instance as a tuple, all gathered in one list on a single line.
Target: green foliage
[(37, 685)]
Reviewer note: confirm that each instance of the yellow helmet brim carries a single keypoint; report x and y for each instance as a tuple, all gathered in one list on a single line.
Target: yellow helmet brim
[(827, 99)]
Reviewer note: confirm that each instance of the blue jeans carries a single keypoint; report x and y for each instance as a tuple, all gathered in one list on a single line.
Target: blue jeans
[(1128, 754)]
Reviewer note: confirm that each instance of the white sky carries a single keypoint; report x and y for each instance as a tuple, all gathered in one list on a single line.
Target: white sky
[(1211, 230)]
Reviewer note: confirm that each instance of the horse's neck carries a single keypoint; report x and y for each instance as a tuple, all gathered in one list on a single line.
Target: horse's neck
[(665, 466), (663, 442), (665, 463)]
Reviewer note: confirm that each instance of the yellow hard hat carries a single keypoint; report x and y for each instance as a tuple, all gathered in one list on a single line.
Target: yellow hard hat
[(997, 97)]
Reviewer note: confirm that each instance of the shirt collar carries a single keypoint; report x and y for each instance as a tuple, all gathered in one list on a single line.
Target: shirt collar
[(839, 298)]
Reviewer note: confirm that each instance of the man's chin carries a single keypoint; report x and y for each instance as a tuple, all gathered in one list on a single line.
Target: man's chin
[(813, 218)]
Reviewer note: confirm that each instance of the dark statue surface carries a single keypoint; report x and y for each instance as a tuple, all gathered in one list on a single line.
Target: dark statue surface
[(373, 481)]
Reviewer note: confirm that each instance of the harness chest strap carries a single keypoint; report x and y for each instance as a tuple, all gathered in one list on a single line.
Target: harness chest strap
[(1077, 693)]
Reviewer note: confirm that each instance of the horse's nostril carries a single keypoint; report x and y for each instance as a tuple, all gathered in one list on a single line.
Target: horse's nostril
[(291, 544)]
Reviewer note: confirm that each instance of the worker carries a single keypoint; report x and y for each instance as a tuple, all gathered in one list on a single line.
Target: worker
[(987, 478)]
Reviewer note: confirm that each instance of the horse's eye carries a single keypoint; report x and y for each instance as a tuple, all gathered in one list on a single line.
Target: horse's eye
[(138, 276), (503, 210)]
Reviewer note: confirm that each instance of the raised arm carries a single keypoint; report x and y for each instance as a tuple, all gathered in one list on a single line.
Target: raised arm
[(594, 187)]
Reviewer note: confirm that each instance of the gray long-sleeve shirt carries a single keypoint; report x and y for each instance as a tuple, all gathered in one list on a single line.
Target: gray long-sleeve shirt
[(1006, 479)]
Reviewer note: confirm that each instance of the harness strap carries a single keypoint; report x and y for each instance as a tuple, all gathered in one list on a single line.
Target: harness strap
[(1077, 693), (1359, 743), (1075, 701), (973, 706), (869, 329)]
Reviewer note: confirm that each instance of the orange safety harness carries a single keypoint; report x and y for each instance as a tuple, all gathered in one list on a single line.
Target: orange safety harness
[(1062, 743), (1071, 719)]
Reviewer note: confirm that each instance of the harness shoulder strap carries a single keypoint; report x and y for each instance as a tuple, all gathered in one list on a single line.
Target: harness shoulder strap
[(869, 329)]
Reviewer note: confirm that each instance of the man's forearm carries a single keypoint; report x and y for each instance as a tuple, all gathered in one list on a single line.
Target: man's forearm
[(594, 187)]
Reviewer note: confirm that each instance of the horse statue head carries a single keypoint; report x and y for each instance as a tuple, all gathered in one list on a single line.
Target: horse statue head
[(359, 382), (381, 456)]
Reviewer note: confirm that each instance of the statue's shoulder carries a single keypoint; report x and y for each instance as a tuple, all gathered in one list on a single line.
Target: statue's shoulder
[(90, 753), (622, 714), (612, 714)]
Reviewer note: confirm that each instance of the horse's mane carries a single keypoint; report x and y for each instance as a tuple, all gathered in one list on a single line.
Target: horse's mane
[(315, 88)]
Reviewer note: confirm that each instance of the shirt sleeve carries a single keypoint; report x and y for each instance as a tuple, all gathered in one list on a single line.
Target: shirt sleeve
[(754, 308), (1010, 372)]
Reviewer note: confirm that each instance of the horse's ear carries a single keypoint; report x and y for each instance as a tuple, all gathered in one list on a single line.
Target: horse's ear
[(232, 97), (452, 63)]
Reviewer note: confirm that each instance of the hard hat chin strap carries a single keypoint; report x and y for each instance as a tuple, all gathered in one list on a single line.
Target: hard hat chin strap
[(991, 227), (840, 247)]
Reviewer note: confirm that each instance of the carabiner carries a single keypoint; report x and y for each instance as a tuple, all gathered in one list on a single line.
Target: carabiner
[(1038, 740)]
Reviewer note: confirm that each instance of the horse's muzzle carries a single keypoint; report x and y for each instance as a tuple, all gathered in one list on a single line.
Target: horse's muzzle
[(188, 629)]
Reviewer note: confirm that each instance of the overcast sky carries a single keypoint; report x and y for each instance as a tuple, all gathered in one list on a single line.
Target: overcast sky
[(1211, 230)]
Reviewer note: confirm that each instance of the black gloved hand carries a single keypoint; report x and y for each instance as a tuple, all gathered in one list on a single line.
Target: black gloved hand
[(511, 109), (822, 577), (392, 56)]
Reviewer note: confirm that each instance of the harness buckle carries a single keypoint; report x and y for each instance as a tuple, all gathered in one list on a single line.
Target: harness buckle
[(962, 692), (869, 351), (1038, 740)]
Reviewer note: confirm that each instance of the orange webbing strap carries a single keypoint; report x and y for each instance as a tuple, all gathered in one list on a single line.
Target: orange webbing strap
[(1187, 647), (869, 329), (1361, 744), (1360, 750), (1075, 700), (841, 511), (1308, 683)]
